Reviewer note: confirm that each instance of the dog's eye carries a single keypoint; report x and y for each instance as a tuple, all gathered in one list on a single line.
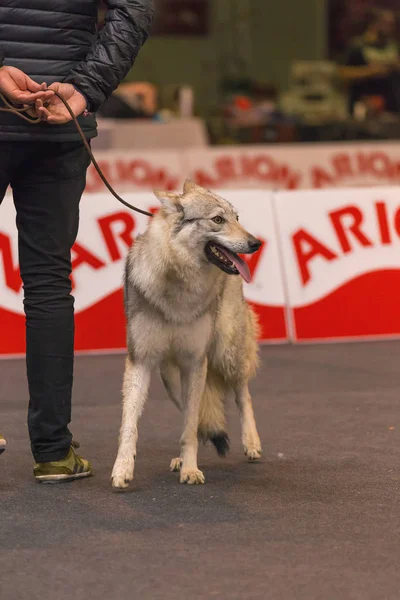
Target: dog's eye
[(218, 220), (237, 217)]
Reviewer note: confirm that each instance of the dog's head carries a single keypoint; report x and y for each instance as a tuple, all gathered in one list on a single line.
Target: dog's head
[(201, 220)]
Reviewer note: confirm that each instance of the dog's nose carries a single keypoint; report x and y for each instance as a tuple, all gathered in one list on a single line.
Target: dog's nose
[(254, 244)]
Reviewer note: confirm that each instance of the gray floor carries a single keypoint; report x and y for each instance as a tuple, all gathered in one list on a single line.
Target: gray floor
[(318, 518)]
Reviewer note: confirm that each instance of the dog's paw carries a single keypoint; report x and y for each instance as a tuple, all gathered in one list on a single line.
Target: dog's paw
[(252, 446), (192, 476), (122, 474), (175, 465), (252, 453)]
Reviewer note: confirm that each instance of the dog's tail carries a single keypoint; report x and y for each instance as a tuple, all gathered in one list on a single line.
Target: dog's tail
[(212, 421)]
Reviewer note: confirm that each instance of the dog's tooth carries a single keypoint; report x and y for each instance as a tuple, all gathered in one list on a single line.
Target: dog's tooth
[(221, 257)]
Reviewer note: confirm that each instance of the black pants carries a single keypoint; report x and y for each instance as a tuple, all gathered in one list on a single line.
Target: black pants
[(47, 180)]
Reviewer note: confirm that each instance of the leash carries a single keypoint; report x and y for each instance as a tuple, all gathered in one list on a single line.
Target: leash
[(19, 112)]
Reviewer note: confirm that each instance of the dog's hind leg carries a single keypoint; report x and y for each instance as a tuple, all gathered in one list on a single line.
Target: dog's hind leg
[(193, 382), (134, 393), (171, 379), (250, 439)]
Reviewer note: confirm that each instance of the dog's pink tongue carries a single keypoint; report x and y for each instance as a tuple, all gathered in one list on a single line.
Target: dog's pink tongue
[(239, 263)]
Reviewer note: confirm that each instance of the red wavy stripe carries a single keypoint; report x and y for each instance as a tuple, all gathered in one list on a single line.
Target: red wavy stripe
[(272, 321), (365, 306), (102, 326), (12, 333)]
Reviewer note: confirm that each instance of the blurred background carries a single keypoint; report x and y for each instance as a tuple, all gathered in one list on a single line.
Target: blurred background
[(218, 72)]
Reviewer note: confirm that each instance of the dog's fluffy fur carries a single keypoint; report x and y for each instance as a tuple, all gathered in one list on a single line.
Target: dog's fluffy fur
[(188, 317)]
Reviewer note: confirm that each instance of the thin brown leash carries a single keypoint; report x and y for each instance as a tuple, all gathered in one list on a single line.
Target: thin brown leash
[(11, 108), (19, 112)]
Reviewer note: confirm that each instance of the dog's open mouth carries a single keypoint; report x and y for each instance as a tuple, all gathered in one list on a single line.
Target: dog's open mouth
[(227, 261)]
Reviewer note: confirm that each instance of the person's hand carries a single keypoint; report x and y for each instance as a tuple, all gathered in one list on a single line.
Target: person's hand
[(54, 112), (18, 88)]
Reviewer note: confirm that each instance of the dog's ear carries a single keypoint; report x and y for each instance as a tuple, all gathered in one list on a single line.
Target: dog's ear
[(191, 186), (170, 201)]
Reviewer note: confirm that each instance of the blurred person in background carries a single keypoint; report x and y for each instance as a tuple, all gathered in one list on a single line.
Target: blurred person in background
[(371, 66), (137, 100), (56, 44)]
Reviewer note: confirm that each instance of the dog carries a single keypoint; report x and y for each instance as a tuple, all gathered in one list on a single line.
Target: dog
[(186, 316)]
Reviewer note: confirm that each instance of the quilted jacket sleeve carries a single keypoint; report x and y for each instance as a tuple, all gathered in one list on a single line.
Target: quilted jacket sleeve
[(126, 28)]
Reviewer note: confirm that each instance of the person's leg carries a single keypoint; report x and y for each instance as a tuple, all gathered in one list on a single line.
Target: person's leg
[(47, 189), (11, 154)]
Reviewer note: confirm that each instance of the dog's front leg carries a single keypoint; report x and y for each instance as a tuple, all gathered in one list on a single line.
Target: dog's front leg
[(193, 382), (134, 393)]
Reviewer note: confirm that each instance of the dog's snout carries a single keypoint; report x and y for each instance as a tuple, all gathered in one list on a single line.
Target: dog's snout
[(254, 244)]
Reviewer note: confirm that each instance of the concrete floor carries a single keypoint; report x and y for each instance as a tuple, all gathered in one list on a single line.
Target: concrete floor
[(317, 518)]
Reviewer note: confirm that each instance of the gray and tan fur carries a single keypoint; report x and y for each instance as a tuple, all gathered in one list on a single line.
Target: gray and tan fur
[(188, 318)]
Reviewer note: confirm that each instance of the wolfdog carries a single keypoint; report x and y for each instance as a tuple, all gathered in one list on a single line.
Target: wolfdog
[(187, 316)]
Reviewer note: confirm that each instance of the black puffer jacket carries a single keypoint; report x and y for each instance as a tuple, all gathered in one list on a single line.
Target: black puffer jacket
[(58, 41)]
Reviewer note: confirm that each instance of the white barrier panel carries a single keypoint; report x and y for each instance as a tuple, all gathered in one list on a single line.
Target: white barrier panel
[(341, 251), (106, 232)]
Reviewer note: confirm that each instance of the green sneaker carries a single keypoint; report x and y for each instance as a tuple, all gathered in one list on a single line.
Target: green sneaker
[(3, 444), (70, 468)]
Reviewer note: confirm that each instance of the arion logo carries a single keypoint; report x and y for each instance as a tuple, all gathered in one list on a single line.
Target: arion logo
[(262, 169), (131, 174), (352, 232)]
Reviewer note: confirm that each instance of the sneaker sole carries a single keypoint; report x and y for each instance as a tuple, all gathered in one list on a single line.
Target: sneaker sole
[(2, 448), (61, 478)]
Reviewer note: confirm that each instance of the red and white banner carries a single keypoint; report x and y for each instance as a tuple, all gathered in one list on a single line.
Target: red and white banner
[(296, 166), (105, 235), (137, 171), (329, 267), (286, 167), (341, 253)]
